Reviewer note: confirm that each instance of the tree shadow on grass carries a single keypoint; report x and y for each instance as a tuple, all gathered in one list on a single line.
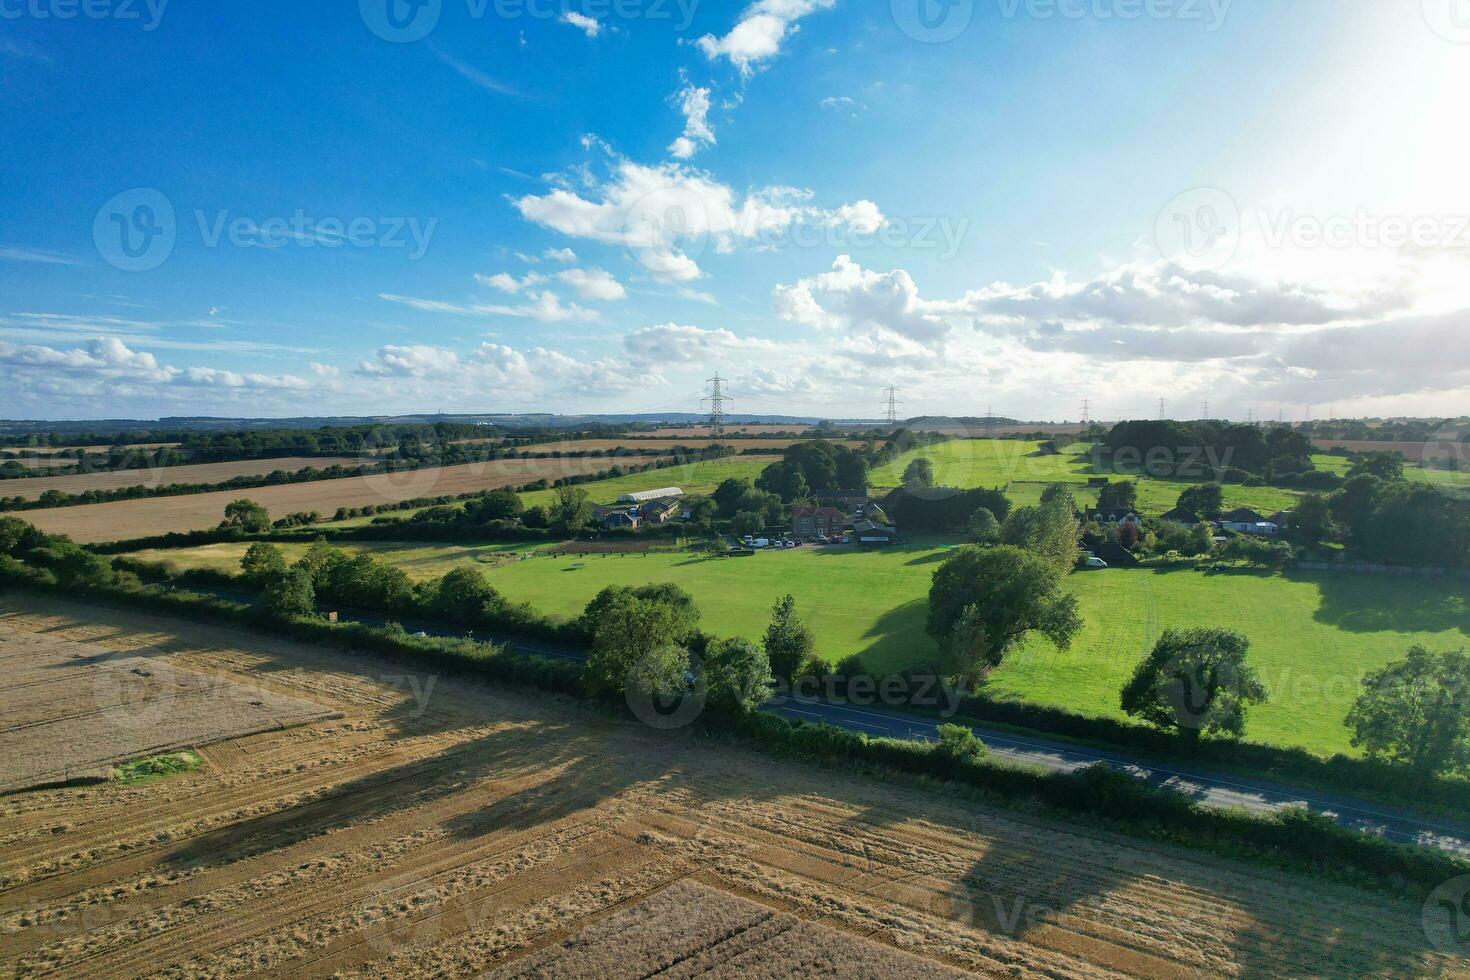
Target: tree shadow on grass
[(1390, 604), (898, 639)]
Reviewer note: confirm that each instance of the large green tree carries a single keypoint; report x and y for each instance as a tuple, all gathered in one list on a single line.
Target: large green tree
[(1050, 529), (919, 473), (262, 563), (1205, 500), (1416, 712), (788, 642), (737, 676), (639, 636), (570, 511), (1119, 494), (245, 515), (1001, 595), (1195, 682), (464, 595), (290, 594)]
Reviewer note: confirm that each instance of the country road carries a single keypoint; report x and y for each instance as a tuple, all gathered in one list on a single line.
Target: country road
[(1210, 788)]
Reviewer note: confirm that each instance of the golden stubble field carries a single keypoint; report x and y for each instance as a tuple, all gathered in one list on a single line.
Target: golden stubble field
[(31, 488), (447, 828), (190, 512)]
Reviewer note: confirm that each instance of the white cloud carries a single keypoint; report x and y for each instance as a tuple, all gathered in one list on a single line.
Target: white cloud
[(694, 103), (758, 35), (587, 25), (531, 374), (861, 301), (543, 306), (674, 343), (670, 214), (507, 283), (109, 360), (473, 74), (16, 253), (842, 104), (593, 284), (560, 255)]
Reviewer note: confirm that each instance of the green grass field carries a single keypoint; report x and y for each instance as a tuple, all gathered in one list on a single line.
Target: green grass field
[(1313, 634), (693, 478), (1016, 467)]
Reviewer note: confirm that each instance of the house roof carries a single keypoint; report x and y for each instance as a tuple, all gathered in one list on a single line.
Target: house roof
[(816, 512), (1113, 513), (643, 496), (1242, 515), (1181, 516), (872, 527), (1280, 517)]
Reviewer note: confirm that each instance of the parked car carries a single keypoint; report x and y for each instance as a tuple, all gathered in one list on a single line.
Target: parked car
[(1094, 563)]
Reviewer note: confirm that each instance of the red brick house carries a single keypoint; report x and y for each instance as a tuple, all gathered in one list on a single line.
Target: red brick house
[(811, 522)]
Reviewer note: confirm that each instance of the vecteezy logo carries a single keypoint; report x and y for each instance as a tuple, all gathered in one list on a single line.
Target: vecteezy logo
[(136, 230), (401, 21), (1446, 917), (666, 712), (1199, 229), (933, 21), (1450, 19)]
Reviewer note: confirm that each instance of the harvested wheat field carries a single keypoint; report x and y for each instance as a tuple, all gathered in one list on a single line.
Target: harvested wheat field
[(158, 515), (31, 488), (447, 828), (71, 710)]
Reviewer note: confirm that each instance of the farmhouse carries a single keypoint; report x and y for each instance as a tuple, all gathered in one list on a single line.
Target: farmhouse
[(644, 496), (810, 522), (1112, 515), (1181, 516), (848, 499)]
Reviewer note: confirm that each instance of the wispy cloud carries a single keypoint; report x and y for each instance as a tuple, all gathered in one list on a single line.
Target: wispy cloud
[(18, 253), (474, 74)]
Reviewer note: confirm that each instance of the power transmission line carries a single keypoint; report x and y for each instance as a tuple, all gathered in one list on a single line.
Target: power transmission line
[(1086, 413), (1161, 409), (890, 404), (717, 399)]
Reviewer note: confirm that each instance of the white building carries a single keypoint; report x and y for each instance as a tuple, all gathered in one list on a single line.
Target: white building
[(644, 496)]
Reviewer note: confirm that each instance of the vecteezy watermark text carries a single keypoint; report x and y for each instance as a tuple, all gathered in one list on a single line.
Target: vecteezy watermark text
[(406, 21), (136, 231), (149, 13), (304, 231)]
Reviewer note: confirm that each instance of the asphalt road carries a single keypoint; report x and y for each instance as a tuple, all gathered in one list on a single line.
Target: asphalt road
[(1213, 789)]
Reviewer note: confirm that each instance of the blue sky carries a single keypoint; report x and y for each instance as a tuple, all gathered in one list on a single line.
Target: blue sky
[(593, 206)]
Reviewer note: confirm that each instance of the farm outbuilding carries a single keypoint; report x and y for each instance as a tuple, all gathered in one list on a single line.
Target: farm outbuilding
[(644, 496)]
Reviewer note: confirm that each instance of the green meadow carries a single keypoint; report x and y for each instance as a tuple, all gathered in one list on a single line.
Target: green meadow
[(1024, 472), (1313, 634)]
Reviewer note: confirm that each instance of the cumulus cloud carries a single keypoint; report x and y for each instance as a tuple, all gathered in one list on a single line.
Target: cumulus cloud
[(507, 283), (489, 368), (108, 359), (670, 214), (674, 343), (587, 25), (560, 255), (595, 284), (757, 37), (694, 103), (862, 301)]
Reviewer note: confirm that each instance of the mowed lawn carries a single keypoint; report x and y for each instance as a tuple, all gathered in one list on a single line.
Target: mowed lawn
[(1313, 635), (1020, 469)]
